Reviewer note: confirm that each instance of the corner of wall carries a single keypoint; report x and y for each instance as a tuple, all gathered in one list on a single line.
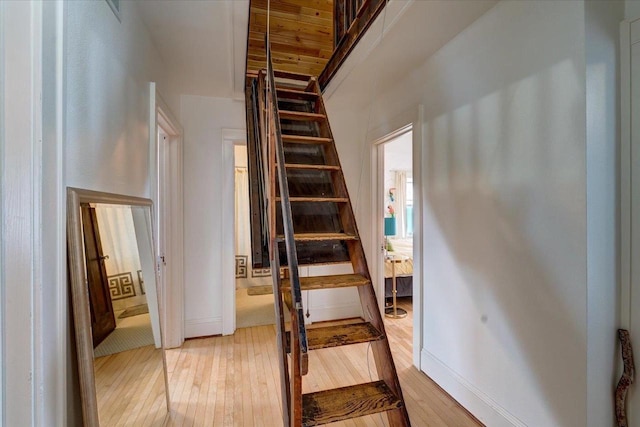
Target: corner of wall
[(602, 50)]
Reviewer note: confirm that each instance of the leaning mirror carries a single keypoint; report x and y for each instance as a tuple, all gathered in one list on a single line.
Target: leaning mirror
[(116, 311)]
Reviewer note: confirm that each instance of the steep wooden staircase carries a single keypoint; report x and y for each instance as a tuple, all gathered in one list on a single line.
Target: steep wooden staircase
[(309, 220)]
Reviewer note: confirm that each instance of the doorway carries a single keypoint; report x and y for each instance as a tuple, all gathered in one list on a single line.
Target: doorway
[(166, 136), (253, 287), (394, 213)]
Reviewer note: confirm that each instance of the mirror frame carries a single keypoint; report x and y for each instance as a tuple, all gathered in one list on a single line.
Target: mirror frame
[(80, 294)]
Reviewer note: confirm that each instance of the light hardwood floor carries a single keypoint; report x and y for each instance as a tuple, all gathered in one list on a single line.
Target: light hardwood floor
[(234, 380)]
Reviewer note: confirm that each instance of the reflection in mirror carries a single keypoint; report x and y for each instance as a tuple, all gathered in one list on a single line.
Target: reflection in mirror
[(116, 312)]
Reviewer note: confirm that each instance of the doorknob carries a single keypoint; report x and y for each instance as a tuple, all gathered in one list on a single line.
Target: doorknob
[(101, 258)]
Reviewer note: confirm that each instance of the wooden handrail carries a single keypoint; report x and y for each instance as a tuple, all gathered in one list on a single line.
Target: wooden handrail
[(352, 18)]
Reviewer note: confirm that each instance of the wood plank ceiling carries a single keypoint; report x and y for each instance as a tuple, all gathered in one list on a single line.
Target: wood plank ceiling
[(301, 35)]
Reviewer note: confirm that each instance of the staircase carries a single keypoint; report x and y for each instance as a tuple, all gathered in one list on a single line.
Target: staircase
[(309, 220)]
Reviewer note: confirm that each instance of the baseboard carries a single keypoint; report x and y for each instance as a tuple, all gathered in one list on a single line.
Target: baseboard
[(474, 400), (332, 312), (204, 327)]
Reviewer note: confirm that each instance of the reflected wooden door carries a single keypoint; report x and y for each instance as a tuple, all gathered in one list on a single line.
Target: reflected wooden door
[(103, 320)]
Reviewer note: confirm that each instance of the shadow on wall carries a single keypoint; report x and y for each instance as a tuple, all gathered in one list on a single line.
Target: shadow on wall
[(505, 186), (515, 294)]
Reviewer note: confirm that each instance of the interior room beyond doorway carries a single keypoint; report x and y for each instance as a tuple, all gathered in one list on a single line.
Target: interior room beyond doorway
[(396, 211), (254, 295)]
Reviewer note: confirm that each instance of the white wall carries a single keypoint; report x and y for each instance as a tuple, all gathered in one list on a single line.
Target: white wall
[(203, 120), (632, 9), (505, 221), (108, 67), (508, 166)]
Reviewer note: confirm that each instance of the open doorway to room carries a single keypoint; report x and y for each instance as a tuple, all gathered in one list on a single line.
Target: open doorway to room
[(395, 214), (254, 294)]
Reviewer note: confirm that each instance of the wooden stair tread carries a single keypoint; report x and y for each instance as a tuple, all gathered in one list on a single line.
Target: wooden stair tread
[(300, 115), (304, 263), (338, 335), (335, 336), (301, 139), (291, 75), (306, 166), (328, 282), (312, 237), (344, 403), (315, 199), (289, 93)]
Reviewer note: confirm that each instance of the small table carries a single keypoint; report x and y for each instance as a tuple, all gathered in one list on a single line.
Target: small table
[(394, 311)]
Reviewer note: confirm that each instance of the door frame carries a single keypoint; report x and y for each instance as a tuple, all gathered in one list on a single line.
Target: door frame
[(230, 138), (629, 182), (411, 120), (37, 339), (629, 186), (171, 222)]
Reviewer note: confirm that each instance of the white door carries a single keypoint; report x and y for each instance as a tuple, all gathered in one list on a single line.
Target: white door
[(161, 209)]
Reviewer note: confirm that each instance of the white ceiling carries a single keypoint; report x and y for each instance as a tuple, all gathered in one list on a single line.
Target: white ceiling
[(398, 153), (203, 43)]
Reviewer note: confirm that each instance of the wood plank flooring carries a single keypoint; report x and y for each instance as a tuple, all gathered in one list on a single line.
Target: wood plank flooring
[(234, 380)]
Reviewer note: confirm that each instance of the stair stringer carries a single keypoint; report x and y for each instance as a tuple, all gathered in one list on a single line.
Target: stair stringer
[(381, 349)]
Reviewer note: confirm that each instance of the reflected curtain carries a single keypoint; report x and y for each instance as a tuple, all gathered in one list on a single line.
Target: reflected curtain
[(400, 202), (118, 238), (243, 231)]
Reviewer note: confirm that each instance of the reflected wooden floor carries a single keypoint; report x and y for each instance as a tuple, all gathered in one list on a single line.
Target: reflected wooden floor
[(234, 380), (130, 388)]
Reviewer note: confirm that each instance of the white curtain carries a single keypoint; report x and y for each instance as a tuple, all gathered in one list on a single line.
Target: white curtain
[(399, 204), (243, 242), (118, 238)]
